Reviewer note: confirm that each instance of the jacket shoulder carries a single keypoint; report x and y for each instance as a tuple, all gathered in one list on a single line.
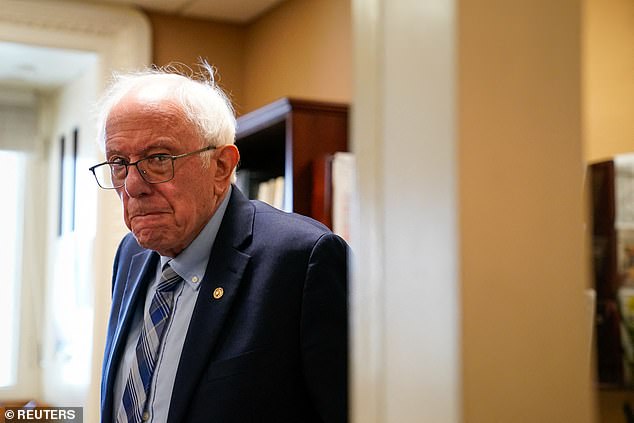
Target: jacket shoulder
[(278, 223)]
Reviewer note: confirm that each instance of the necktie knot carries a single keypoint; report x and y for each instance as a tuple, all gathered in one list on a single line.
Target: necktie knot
[(169, 280)]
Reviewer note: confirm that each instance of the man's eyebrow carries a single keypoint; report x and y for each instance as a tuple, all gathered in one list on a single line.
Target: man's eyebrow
[(148, 150)]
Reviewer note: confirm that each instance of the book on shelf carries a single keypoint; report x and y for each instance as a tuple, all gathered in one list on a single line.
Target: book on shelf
[(343, 187), (271, 191), (278, 192)]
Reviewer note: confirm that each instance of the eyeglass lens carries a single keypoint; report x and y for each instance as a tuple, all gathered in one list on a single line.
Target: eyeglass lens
[(153, 169)]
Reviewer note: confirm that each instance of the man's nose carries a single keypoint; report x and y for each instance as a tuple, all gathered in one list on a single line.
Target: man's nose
[(134, 183)]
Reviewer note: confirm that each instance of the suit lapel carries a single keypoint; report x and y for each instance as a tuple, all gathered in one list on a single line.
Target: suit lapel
[(224, 271), (141, 265)]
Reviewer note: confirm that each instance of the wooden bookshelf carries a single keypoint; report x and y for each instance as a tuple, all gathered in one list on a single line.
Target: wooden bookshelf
[(285, 138)]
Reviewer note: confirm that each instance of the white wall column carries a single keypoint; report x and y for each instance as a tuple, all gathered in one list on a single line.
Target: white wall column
[(405, 307)]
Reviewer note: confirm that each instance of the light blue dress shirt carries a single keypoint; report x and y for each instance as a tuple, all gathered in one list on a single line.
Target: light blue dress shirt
[(190, 264)]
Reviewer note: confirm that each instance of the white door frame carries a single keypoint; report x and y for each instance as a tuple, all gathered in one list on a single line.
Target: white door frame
[(122, 39)]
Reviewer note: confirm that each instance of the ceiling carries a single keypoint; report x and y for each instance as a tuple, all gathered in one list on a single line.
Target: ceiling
[(237, 11), (31, 67)]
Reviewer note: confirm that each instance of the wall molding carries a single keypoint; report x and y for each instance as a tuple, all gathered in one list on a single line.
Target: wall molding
[(62, 16)]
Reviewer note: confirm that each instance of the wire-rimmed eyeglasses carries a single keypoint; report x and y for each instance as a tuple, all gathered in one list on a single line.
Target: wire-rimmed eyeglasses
[(154, 169)]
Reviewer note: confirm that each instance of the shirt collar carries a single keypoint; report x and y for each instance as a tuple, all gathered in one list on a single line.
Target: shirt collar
[(191, 263)]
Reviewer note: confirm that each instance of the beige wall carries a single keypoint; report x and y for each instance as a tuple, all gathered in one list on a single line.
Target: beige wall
[(301, 48), (608, 79), (524, 323), (184, 40)]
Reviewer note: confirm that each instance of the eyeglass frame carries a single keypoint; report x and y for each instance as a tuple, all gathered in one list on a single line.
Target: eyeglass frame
[(135, 164)]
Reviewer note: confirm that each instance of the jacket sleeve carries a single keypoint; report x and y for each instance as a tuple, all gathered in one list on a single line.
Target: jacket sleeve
[(324, 328)]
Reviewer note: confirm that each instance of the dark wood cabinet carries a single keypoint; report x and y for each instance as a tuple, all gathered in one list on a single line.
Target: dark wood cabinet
[(289, 137), (609, 355), (612, 196)]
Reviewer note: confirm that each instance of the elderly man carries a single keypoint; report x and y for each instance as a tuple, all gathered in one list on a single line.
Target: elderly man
[(223, 309)]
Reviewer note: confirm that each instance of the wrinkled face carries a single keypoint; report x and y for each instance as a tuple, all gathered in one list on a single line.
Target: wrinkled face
[(163, 217)]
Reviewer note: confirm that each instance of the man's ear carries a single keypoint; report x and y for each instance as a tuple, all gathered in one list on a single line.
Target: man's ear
[(227, 158)]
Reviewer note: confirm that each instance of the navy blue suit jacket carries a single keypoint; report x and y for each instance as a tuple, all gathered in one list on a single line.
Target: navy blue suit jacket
[(274, 347)]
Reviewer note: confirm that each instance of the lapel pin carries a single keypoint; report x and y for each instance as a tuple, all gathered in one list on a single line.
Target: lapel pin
[(218, 293)]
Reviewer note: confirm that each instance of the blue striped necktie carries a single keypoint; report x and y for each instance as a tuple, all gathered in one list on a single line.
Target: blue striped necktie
[(137, 386)]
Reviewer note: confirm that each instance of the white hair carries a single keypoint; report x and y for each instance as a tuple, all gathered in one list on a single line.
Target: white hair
[(201, 100)]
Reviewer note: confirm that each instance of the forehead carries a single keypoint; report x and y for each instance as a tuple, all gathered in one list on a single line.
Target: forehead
[(137, 123)]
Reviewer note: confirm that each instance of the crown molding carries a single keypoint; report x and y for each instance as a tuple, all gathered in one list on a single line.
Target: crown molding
[(104, 29), (68, 15)]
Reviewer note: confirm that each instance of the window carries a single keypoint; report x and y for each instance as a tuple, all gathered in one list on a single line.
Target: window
[(11, 214)]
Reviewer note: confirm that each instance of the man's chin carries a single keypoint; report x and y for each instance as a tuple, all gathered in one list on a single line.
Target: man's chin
[(150, 239), (157, 241)]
